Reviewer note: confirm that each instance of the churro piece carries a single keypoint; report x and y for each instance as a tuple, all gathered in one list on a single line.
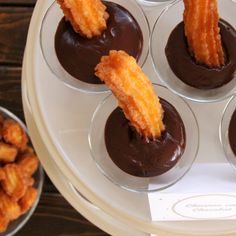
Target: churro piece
[(88, 17), (30, 181), (28, 164), (27, 201), (134, 92), (4, 221), (2, 174), (203, 34), (8, 207), (7, 153), (14, 183), (14, 134)]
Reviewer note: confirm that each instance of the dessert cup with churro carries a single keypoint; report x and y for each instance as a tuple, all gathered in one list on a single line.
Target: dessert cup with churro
[(73, 45), (227, 131), (141, 142), (194, 57)]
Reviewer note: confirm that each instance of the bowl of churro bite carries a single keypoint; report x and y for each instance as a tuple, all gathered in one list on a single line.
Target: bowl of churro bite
[(21, 175), (140, 141), (74, 36), (227, 131), (203, 65)]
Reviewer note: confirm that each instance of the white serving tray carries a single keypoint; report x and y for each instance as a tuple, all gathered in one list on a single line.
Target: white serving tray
[(63, 115)]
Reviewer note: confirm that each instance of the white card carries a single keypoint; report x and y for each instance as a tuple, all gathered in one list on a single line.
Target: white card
[(203, 194)]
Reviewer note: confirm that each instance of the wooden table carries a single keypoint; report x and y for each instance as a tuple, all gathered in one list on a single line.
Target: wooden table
[(53, 216)]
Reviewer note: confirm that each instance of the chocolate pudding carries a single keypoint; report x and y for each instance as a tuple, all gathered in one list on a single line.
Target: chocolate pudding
[(79, 55), (232, 133), (196, 75), (141, 157)]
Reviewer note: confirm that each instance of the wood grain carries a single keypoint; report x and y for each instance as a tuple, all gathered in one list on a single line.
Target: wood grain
[(18, 2), (10, 90), (14, 22), (54, 216)]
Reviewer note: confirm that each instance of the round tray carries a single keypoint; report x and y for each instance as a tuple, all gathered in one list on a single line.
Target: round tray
[(63, 123)]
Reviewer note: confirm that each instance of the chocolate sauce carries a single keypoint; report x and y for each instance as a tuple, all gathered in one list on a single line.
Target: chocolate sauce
[(232, 133), (200, 76), (139, 157), (79, 55)]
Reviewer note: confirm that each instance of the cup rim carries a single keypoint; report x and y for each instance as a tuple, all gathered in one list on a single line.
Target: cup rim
[(221, 130), (153, 3)]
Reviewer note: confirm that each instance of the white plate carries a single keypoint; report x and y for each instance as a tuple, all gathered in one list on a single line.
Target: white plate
[(63, 115)]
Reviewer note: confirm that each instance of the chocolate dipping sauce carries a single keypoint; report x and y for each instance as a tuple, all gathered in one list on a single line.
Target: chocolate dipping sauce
[(139, 157), (200, 76), (79, 55), (232, 133)]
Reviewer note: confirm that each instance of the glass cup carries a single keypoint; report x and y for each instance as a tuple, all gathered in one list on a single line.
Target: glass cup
[(166, 22), (17, 224), (47, 34), (143, 184), (224, 130)]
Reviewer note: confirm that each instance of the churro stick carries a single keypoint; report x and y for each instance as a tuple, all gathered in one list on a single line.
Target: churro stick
[(14, 134), (134, 92), (8, 207), (27, 201), (203, 34), (88, 17), (14, 183), (4, 221)]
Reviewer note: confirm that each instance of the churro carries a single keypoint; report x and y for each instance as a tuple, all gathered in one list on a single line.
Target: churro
[(134, 92), (88, 17), (7, 153), (28, 199), (203, 33), (14, 134)]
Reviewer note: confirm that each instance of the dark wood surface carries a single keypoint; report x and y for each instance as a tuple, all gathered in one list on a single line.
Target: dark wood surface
[(53, 216)]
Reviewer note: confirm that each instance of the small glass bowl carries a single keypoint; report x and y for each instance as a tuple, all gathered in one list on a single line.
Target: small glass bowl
[(143, 184), (166, 22), (47, 35), (224, 130), (17, 224)]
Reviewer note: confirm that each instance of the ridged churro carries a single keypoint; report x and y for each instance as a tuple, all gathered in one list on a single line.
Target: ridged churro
[(134, 92), (203, 33), (88, 17)]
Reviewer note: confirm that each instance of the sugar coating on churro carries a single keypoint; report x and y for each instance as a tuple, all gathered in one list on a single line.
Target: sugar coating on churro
[(203, 33), (88, 17), (134, 91)]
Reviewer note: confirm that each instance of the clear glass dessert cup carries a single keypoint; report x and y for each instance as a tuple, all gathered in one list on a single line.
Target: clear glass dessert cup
[(170, 17), (143, 184), (18, 224), (224, 130), (47, 36)]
